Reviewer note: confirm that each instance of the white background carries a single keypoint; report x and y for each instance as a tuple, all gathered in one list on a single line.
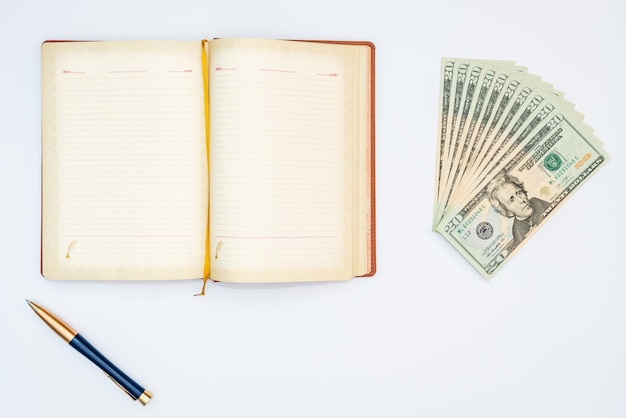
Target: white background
[(427, 336)]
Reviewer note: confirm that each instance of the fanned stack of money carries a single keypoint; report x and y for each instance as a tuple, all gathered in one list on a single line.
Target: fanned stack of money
[(510, 151)]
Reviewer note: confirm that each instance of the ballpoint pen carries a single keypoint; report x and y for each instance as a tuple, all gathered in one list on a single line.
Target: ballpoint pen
[(132, 388)]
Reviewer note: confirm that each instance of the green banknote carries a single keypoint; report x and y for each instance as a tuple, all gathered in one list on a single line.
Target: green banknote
[(532, 161)]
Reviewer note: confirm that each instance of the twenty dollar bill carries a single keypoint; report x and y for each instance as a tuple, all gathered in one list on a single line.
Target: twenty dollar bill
[(505, 200)]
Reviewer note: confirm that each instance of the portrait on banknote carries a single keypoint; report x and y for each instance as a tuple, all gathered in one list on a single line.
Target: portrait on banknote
[(509, 198)]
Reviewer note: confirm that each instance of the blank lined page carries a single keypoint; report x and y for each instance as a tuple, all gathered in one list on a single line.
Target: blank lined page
[(125, 175), (280, 165)]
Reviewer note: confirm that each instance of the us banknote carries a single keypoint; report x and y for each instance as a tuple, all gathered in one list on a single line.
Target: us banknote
[(506, 165)]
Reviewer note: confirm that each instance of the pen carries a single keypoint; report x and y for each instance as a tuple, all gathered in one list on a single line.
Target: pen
[(132, 388)]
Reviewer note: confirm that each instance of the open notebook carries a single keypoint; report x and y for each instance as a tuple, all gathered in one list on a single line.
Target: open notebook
[(241, 160)]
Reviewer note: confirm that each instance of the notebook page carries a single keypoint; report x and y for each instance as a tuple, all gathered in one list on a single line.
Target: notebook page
[(125, 183), (281, 185)]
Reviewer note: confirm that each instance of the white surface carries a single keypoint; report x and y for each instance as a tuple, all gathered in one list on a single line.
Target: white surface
[(427, 336)]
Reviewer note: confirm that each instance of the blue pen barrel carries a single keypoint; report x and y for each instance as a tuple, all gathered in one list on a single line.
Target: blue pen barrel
[(84, 347)]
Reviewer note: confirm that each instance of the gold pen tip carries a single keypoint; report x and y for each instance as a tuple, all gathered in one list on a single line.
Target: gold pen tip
[(145, 397)]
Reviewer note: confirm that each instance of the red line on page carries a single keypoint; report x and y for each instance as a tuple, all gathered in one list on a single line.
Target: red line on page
[(276, 71), (126, 71), (128, 236), (275, 237), (225, 69)]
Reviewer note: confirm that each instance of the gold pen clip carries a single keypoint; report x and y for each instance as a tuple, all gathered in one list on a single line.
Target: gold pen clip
[(120, 386), (144, 398)]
